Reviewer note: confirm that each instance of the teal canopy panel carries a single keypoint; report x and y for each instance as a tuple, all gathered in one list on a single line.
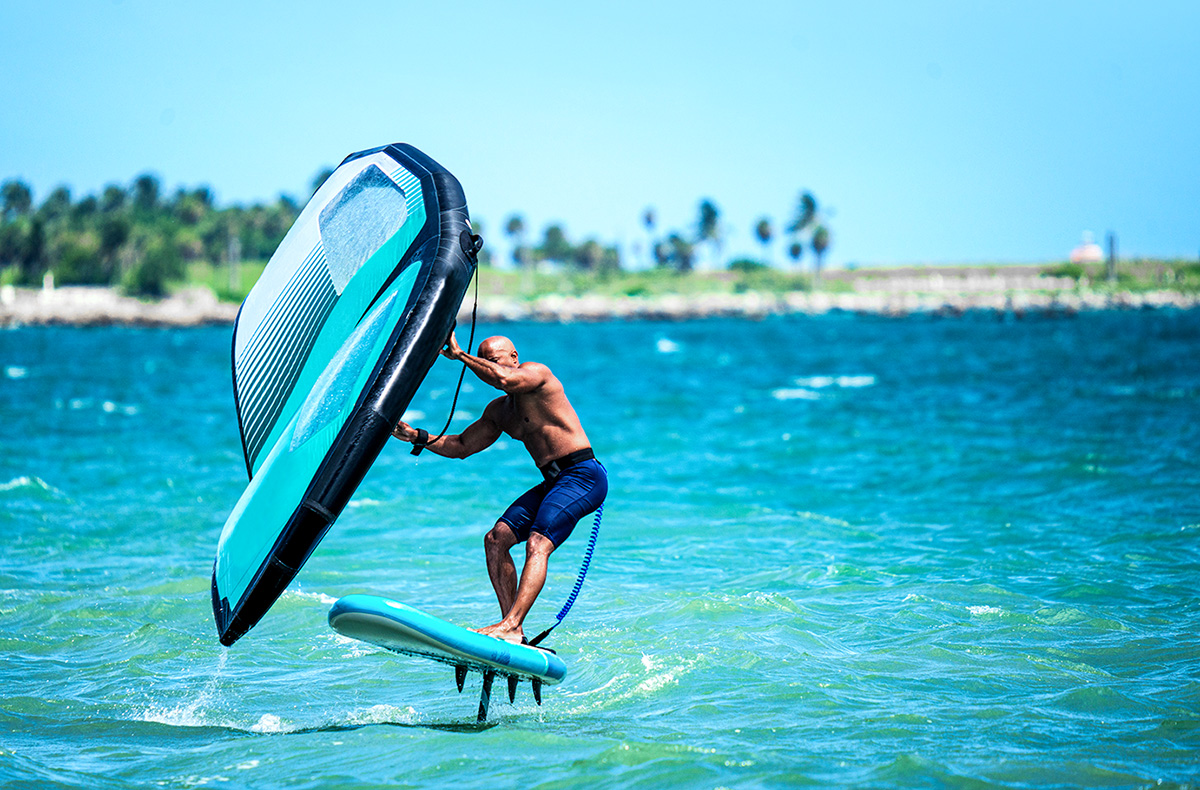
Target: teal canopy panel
[(329, 348)]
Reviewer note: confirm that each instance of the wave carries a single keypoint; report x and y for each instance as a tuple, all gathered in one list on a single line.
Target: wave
[(666, 346), (795, 394), (106, 406), (847, 382), (32, 485), (328, 600)]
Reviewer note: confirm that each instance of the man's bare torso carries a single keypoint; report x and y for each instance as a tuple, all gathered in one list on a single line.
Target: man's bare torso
[(543, 420)]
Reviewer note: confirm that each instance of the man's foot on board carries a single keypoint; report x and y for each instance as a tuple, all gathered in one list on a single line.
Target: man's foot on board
[(514, 635)]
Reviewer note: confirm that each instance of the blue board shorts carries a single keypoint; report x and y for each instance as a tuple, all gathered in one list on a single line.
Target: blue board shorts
[(554, 507)]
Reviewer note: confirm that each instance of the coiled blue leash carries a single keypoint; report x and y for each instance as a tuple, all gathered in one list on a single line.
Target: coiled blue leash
[(583, 569)]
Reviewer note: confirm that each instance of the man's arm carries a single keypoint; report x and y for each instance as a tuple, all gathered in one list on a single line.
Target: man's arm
[(478, 436), (512, 381)]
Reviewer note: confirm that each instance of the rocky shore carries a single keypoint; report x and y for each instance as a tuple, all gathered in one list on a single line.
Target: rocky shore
[(87, 306), (554, 308)]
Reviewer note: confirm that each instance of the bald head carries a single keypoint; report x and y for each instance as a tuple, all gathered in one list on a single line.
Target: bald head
[(499, 349)]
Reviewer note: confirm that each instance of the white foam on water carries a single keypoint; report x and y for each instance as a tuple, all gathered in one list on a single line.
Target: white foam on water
[(666, 346), (107, 406), (660, 677), (981, 610), (810, 516), (384, 714), (795, 394), (819, 382), (268, 722), (202, 781), (195, 712), (353, 648), (182, 715), (413, 415), (15, 372), (656, 674), (34, 483), (312, 596)]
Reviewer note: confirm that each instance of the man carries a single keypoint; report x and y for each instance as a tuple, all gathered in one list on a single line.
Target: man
[(535, 411)]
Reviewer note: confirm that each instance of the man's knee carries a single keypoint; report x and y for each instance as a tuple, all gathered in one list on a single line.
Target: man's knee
[(500, 537), (539, 544)]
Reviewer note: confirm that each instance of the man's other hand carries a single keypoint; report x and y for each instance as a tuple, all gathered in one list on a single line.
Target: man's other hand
[(404, 432), (451, 349)]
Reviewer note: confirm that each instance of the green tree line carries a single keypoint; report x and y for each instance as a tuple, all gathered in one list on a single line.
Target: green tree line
[(131, 236), (141, 239)]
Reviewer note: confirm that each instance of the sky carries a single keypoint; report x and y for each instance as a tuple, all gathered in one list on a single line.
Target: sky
[(929, 132)]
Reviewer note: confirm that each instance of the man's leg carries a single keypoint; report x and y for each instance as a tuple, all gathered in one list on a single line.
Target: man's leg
[(496, 546), (533, 577)]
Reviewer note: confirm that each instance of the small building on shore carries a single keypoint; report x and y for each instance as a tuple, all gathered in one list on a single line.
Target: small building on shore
[(1088, 250)]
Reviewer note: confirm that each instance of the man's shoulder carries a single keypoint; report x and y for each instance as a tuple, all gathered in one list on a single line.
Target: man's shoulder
[(543, 372)]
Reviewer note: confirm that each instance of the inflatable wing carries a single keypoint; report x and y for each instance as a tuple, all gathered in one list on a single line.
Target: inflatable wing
[(329, 348)]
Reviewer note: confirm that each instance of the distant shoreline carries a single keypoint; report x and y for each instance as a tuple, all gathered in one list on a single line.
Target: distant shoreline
[(98, 306)]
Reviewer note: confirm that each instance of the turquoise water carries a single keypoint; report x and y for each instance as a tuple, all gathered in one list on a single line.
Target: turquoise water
[(838, 550)]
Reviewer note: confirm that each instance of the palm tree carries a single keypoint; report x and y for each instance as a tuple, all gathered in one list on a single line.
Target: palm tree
[(57, 204), (589, 255), (762, 229), (662, 253), (806, 212), (17, 199), (648, 221), (113, 199), (555, 246), (683, 252), (146, 192), (31, 262), (820, 243), (12, 241), (709, 228), (795, 251), (514, 227)]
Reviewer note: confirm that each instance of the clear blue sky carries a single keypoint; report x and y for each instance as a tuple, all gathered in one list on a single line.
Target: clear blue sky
[(930, 132)]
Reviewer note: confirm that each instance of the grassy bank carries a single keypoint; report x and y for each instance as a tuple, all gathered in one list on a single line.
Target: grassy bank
[(1132, 276)]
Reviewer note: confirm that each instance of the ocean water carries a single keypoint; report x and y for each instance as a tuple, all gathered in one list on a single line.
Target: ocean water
[(838, 550)]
